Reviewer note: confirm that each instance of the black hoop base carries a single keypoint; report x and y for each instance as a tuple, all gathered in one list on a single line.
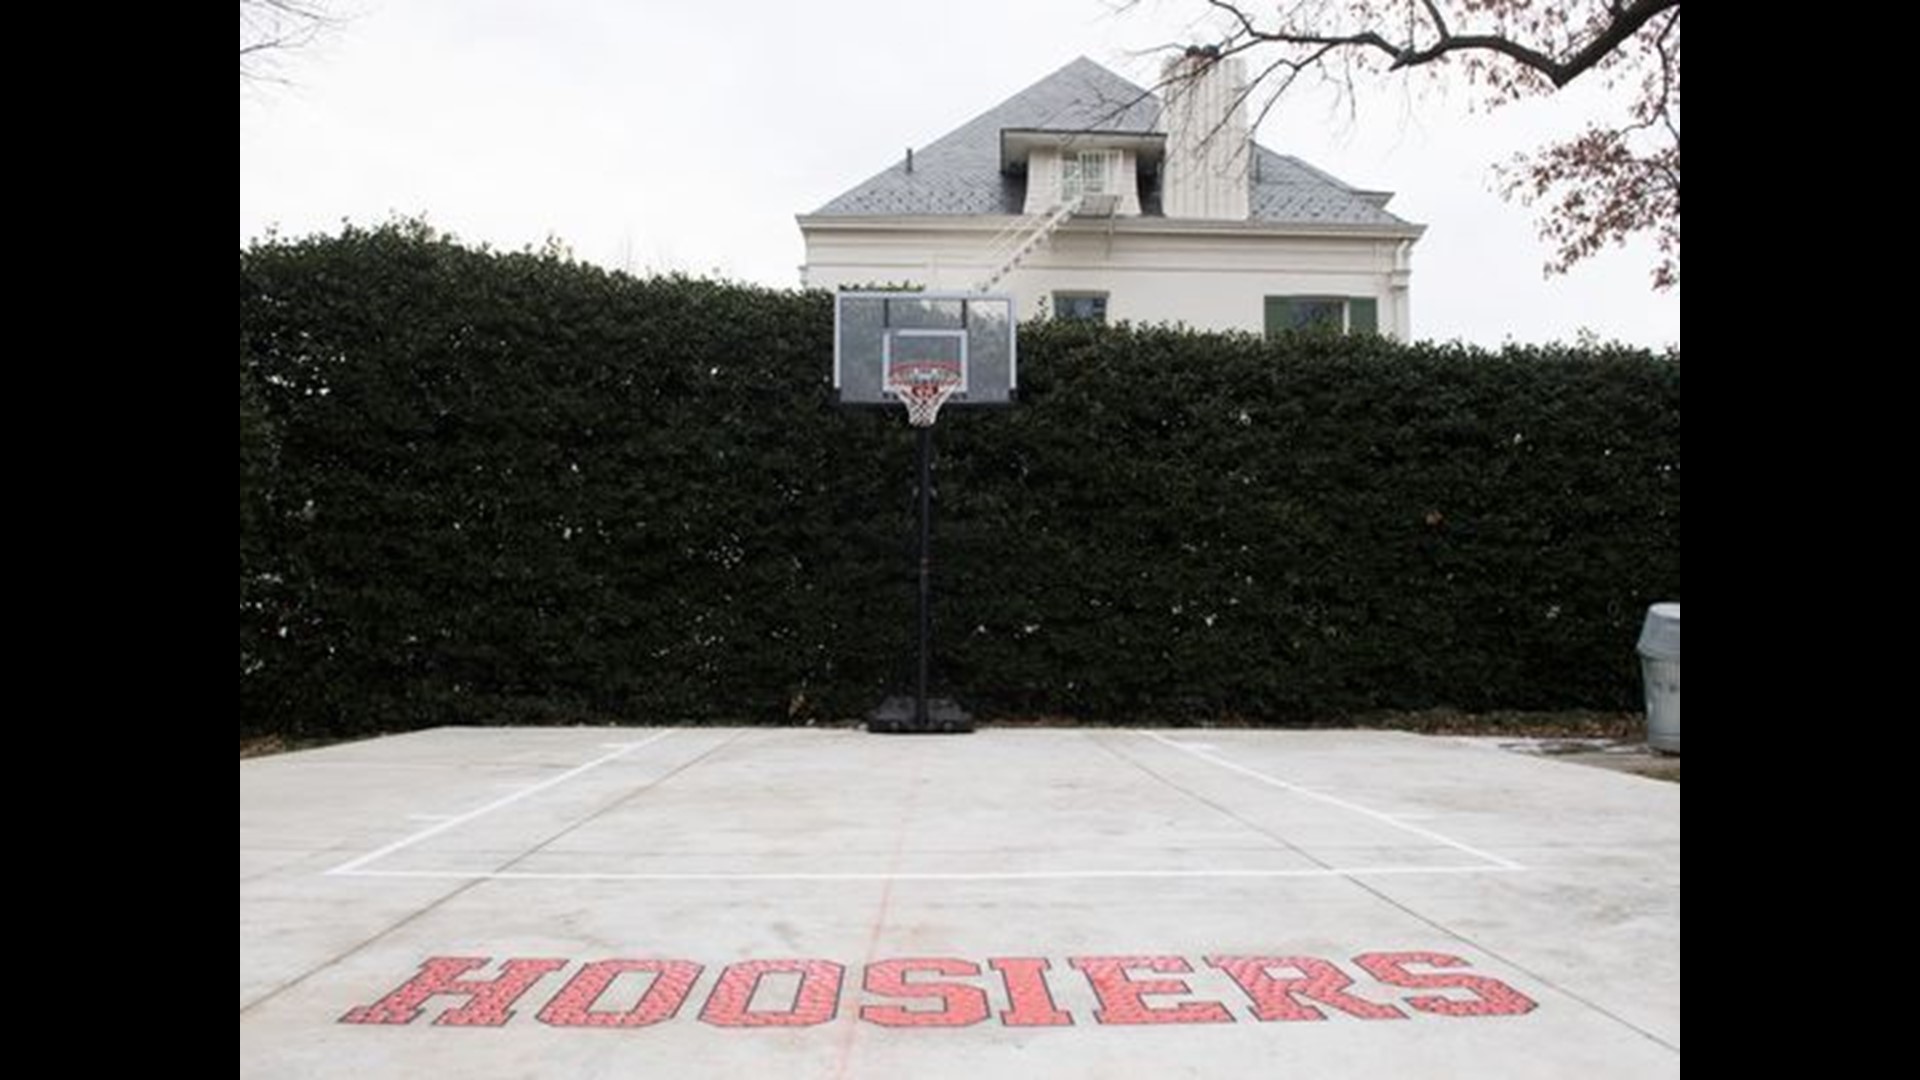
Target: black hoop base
[(895, 716)]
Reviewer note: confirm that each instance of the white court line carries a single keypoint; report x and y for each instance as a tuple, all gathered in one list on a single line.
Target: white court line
[(1011, 875), (1504, 864), (353, 866)]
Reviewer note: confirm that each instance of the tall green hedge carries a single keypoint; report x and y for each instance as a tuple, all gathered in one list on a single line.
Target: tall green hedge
[(500, 488)]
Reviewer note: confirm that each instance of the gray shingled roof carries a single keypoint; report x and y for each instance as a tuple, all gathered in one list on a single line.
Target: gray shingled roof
[(960, 174)]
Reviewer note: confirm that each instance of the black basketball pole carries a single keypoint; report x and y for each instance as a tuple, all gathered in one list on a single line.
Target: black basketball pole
[(920, 718), (921, 711)]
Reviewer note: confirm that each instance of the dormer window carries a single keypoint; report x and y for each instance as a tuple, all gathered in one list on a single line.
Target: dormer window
[(1095, 173), (1089, 172)]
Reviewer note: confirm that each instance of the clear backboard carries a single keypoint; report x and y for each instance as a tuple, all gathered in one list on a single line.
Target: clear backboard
[(887, 342)]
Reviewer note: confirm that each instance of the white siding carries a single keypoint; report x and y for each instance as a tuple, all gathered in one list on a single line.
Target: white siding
[(1213, 281)]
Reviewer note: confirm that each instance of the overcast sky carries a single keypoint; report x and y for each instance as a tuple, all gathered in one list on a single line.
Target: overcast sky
[(655, 135)]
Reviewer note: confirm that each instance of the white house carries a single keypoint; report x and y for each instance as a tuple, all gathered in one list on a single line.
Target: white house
[(1087, 197)]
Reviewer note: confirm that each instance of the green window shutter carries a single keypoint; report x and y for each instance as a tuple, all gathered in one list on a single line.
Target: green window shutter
[(1279, 314), (1363, 315)]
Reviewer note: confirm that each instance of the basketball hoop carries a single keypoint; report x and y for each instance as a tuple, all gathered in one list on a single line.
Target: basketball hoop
[(923, 350), (924, 386)]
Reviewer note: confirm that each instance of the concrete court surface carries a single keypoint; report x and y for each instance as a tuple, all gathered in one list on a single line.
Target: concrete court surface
[(825, 903)]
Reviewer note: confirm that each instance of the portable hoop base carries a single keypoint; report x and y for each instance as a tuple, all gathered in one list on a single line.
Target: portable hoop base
[(895, 716)]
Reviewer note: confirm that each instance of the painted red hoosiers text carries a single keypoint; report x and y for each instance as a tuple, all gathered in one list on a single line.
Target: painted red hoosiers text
[(950, 992)]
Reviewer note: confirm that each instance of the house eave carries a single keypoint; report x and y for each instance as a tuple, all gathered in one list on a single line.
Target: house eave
[(1139, 226)]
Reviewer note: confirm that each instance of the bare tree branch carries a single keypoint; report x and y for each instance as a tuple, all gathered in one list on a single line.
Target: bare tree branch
[(1627, 22), (1598, 188), (270, 29)]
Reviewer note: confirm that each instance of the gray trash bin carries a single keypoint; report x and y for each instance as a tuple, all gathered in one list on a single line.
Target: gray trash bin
[(1660, 668)]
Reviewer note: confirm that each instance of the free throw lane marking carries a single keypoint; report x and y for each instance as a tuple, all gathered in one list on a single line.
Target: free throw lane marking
[(353, 866), (1009, 875), (1274, 781)]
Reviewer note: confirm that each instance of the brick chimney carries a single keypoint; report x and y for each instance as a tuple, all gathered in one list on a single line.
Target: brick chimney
[(1209, 153)]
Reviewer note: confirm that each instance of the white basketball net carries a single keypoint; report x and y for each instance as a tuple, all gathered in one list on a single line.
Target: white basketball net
[(923, 390)]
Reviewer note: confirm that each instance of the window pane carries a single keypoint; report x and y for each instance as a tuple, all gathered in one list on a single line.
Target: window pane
[(1321, 315), (1081, 308), (1093, 171)]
